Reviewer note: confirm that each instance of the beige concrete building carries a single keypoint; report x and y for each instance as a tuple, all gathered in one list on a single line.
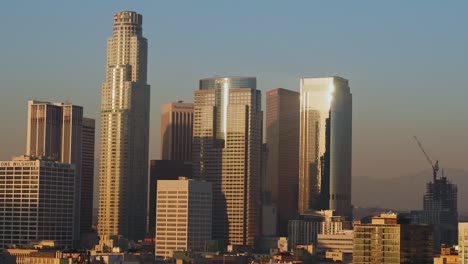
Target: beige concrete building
[(44, 256), (183, 216), (125, 104), (36, 201), (282, 138), (20, 254), (176, 131), (55, 132), (385, 240), (448, 255), (463, 242), (325, 145), (340, 241), (337, 246), (227, 145)]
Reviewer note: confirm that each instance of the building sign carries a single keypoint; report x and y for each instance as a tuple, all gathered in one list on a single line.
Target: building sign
[(18, 163)]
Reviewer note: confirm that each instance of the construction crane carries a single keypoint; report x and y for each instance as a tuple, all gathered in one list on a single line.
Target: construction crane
[(435, 166)]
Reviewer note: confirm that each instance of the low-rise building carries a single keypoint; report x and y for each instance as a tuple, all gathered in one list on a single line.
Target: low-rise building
[(336, 247), (391, 240), (304, 231), (448, 255)]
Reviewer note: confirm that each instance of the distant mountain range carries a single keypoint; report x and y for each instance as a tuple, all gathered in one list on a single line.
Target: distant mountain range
[(405, 192)]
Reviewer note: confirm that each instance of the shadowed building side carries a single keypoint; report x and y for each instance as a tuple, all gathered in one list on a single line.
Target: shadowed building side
[(176, 131), (282, 139)]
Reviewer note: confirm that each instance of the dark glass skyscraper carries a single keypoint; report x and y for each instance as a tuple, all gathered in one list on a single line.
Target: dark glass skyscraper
[(325, 145)]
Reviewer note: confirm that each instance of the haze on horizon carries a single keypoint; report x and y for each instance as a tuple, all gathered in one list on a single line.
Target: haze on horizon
[(407, 64)]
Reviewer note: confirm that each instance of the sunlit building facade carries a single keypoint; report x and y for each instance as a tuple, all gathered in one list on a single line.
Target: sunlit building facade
[(183, 216), (389, 239), (163, 170), (55, 132), (463, 243), (125, 103), (227, 145), (37, 201), (325, 145)]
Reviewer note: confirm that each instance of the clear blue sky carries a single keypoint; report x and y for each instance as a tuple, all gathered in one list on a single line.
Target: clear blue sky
[(407, 62)]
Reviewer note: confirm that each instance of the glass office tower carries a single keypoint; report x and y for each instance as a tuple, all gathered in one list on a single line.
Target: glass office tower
[(227, 145), (325, 145)]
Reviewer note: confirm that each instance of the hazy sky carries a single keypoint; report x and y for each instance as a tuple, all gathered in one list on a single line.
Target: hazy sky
[(407, 62)]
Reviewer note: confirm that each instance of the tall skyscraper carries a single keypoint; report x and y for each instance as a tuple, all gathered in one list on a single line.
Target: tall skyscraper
[(325, 145), (227, 145), (37, 201), (55, 133), (176, 131), (187, 203), (282, 138), (125, 103), (87, 175)]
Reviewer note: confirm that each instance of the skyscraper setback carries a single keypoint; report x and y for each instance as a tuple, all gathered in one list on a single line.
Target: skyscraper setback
[(176, 131), (124, 131), (282, 138), (227, 145), (325, 145)]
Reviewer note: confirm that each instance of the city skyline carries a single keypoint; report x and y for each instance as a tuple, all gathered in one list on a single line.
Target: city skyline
[(242, 167), (380, 65)]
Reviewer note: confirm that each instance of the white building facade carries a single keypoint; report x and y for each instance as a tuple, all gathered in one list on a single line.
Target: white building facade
[(36, 201)]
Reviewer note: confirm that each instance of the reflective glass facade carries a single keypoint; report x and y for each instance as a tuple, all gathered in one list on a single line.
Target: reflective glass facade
[(325, 145), (227, 145)]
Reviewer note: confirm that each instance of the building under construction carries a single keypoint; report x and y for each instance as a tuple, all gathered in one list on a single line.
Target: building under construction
[(440, 210), (440, 206)]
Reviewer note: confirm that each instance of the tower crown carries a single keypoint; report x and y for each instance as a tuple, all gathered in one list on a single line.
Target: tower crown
[(128, 18)]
